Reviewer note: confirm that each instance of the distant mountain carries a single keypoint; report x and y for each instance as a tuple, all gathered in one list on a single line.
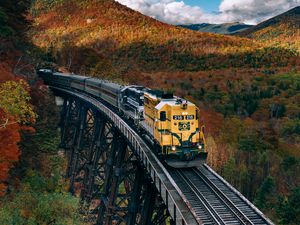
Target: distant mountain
[(283, 29), (226, 28)]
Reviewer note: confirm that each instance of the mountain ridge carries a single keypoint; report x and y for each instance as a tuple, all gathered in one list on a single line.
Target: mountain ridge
[(225, 28), (282, 30), (294, 12)]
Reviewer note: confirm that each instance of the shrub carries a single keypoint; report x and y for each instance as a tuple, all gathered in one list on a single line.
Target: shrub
[(291, 127), (30, 207)]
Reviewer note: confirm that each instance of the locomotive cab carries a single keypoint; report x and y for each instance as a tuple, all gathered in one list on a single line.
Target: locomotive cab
[(175, 126)]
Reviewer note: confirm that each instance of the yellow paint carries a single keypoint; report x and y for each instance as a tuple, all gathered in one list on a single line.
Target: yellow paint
[(181, 120)]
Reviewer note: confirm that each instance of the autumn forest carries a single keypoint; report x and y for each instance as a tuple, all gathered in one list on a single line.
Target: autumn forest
[(247, 87)]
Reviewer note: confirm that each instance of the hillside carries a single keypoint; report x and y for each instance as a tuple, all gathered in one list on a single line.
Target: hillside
[(104, 37), (226, 28), (247, 91), (282, 30)]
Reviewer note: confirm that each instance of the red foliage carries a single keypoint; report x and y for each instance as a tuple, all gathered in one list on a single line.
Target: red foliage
[(212, 120), (9, 150)]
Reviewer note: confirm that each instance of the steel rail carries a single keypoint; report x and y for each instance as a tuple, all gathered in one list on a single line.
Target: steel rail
[(209, 198), (235, 210), (254, 215), (202, 200)]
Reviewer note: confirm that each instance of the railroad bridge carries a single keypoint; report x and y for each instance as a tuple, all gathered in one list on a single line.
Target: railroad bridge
[(120, 181)]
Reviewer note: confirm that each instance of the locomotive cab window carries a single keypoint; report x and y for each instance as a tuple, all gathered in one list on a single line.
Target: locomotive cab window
[(163, 116)]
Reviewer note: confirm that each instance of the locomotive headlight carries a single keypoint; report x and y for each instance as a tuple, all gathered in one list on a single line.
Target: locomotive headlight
[(173, 148), (199, 146)]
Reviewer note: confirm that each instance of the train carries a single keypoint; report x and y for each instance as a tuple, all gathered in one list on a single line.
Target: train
[(167, 122)]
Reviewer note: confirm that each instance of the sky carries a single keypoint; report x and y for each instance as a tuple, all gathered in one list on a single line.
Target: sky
[(211, 11), (206, 5)]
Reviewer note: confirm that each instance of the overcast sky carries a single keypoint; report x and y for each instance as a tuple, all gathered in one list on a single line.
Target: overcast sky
[(211, 11)]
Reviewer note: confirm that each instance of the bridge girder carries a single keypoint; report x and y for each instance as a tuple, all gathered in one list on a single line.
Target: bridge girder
[(113, 185)]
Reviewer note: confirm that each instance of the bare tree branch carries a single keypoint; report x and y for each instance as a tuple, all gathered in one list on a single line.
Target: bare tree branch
[(19, 60), (6, 123)]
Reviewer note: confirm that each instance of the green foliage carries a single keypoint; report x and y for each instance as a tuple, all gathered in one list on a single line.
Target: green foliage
[(265, 193), (291, 127), (278, 95), (42, 6), (290, 163), (47, 141), (3, 16), (41, 199), (248, 144), (252, 143), (214, 95), (50, 181), (289, 209), (230, 170), (5, 30), (286, 81), (198, 94), (40, 208), (186, 86), (256, 161)]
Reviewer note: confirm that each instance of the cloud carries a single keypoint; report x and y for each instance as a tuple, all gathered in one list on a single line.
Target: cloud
[(170, 11), (177, 12), (254, 11)]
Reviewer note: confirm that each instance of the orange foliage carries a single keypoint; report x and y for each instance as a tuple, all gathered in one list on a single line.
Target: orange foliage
[(5, 72), (95, 37)]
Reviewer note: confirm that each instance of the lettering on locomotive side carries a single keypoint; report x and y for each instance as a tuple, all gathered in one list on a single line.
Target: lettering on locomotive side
[(187, 117), (176, 117)]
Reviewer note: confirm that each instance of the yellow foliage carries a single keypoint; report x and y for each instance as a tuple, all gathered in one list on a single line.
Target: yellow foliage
[(15, 101)]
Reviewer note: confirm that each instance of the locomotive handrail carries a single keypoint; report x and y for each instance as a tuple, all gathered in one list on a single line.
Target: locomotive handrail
[(177, 204)]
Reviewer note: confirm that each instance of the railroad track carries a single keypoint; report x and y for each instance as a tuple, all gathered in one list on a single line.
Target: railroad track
[(213, 200)]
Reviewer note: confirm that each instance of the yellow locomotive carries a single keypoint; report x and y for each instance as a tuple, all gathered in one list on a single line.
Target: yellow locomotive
[(170, 123), (174, 124)]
